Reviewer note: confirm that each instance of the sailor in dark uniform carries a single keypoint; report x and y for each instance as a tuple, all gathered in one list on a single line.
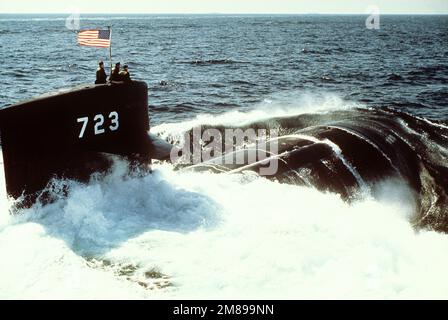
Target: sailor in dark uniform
[(101, 76), (125, 75), (115, 76)]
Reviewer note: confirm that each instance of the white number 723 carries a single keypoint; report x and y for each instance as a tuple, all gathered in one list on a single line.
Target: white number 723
[(99, 121)]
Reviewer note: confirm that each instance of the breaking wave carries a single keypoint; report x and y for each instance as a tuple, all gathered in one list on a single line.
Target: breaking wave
[(179, 234)]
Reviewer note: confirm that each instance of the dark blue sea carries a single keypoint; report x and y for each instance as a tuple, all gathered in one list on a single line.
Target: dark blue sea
[(371, 104), (219, 63)]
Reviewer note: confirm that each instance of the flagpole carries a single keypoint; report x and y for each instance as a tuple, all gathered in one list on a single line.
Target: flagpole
[(110, 50)]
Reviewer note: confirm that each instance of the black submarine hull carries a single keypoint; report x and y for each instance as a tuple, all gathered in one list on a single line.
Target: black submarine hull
[(351, 153), (70, 135)]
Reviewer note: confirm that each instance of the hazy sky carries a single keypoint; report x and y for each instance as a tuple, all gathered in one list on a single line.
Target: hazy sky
[(223, 6)]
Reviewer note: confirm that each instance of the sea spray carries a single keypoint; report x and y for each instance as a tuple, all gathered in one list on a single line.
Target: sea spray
[(218, 236)]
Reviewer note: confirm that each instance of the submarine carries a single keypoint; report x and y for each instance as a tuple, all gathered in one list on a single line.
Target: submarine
[(72, 133)]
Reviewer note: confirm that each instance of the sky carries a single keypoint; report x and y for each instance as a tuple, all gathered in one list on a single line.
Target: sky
[(224, 6)]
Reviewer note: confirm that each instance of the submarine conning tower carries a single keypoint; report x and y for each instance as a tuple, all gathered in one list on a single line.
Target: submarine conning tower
[(69, 134)]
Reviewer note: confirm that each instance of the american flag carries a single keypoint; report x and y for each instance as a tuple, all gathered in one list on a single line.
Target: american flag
[(94, 38)]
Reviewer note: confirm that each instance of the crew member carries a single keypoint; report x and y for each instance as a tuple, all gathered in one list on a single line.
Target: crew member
[(101, 76), (124, 74), (115, 76)]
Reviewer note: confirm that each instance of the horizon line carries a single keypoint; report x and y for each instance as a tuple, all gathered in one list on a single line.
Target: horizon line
[(231, 13)]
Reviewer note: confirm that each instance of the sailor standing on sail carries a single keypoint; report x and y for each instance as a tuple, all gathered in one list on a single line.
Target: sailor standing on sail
[(115, 75), (101, 76), (125, 75)]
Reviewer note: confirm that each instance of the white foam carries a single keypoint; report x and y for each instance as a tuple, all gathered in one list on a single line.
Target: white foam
[(194, 235), (286, 104), (219, 236)]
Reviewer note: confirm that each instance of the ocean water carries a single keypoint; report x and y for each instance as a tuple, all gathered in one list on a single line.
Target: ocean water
[(178, 234)]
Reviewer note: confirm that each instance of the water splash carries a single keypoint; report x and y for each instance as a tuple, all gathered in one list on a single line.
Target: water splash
[(180, 231)]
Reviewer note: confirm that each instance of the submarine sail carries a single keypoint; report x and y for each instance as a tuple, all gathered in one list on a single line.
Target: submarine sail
[(69, 134)]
